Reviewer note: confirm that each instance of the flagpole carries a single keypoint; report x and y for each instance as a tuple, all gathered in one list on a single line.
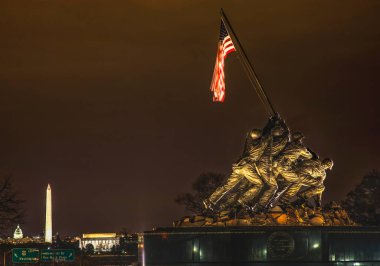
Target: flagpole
[(248, 67)]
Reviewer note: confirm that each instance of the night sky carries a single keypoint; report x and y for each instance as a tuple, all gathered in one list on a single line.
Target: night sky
[(109, 101)]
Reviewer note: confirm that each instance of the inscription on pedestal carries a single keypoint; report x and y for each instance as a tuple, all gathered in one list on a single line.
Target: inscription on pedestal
[(280, 245)]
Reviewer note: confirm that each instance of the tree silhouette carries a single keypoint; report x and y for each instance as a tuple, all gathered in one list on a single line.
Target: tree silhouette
[(202, 187), (11, 212), (363, 203)]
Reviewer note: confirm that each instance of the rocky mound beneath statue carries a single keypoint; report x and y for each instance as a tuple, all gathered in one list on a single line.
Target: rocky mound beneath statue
[(331, 215)]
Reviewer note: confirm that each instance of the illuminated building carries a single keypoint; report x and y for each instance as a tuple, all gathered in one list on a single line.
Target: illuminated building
[(101, 242), (48, 222), (18, 233)]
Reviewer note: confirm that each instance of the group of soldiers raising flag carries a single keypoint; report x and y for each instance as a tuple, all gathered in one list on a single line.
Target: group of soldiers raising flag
[(279, 168), (276, 164)]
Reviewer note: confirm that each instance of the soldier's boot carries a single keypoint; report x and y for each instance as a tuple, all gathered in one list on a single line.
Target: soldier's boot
[(221, 207), (318, 202), (208, 205), (284, 203), (259, 208), (244, 207), (301, 201), (232, 210)]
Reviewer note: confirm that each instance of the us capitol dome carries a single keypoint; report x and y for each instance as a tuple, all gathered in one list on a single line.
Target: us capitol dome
[(18, 233)]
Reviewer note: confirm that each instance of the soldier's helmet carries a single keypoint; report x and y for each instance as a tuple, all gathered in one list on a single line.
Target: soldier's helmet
[(256, 133), (297, 136), (327, 163), (277, 131)]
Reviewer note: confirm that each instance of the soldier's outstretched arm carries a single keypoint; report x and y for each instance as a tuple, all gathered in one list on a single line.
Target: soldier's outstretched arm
[(310, 181), (306, 154), (314, 154), (268, 127)]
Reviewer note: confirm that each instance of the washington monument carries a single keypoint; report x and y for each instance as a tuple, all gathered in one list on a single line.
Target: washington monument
[(48, 223)]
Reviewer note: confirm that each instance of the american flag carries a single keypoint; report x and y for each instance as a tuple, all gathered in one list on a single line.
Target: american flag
[(225, 46)]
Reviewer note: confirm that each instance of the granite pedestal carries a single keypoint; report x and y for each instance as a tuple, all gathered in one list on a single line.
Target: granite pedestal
[(263, 245)]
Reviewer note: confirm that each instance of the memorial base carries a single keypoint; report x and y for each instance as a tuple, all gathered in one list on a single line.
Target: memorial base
[(263, 245)]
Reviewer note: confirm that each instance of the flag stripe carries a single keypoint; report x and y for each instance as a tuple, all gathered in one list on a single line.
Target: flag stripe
[(225, 47)]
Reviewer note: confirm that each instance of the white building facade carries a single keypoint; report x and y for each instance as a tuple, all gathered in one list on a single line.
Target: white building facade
[(18, 233), (101, 242)]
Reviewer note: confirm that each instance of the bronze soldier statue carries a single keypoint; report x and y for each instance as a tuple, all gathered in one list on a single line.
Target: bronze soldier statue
[(293, 151), (268, 155), (284, 163), (244, 168), (311, 173), (256, 165), (280, 135)]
